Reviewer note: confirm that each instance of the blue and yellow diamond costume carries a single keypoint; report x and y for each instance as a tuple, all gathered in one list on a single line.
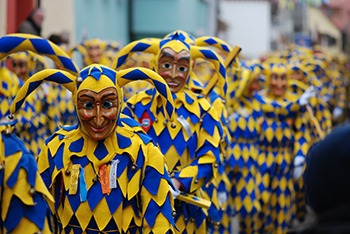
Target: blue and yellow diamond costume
[(42, 114), (30, 127), (220, 214), (275, 159), (309, 127), (23, 192), (245, 125), (191, 148), (141, 201)]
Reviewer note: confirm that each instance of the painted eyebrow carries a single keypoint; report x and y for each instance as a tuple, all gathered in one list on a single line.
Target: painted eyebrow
[(87, 95), (188, 57), (166, 54), (108, 94)]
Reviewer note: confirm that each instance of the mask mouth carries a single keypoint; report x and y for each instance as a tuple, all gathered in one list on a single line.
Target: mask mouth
[(173, 84), (98, 129)]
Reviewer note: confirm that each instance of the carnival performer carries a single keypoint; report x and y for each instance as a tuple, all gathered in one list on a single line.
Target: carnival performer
[(245, 125), (23, 192), (96, 51), (30, 127), (191, 148), (219, 213), (105, 174), (224, 211), (276, 160), (309, 127)]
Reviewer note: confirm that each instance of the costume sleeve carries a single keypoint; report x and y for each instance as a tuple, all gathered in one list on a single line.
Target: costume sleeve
[(24, 209), (156, 199), (207, 157)]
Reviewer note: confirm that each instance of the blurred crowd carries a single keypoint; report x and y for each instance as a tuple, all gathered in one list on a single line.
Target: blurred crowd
[(246, 130)]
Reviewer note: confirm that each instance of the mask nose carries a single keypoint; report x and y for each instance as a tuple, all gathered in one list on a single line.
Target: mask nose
[(99, 116)]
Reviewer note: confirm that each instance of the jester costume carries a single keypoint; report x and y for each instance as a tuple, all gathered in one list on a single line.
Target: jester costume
[(30, 126), (276, 158), (245, 125), (117, 184), (191, 148), (44, 101), (309, 127), (219, 213), (23, 205)]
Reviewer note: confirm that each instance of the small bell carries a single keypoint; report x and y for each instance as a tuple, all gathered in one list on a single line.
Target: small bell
[(8, 132), (32, 192), (173, 125), (133, 168), (95, 180)]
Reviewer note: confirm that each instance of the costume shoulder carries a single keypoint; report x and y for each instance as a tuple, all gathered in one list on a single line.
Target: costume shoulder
[(24, 209)]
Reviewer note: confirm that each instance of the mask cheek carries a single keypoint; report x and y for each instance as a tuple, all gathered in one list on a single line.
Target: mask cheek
[(183, 76), (164, 73), (86, 114), (111, 113)]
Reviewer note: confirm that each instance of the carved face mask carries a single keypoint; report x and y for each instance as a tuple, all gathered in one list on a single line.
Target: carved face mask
[(278, 83), (95, 52), (98, 112), (174, 68)]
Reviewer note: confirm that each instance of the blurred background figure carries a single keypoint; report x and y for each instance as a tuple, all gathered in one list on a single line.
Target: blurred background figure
[(33, 23), (328, 195)]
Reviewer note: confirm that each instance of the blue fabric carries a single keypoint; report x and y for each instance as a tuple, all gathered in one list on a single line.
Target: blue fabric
[(59, 78), (42, 46), (209, 54), (67, 63), (27, 162), (58, 158), (153, 181), (101, 150), (130, 122), (77, 146), (123, 142), (140, 47), (9, 43)]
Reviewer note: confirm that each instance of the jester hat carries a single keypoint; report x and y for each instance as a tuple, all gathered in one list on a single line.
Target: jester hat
[(94, 77), (177, 43)]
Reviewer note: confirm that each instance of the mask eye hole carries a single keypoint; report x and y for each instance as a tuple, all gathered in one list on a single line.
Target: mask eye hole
[(167, 66), (182, 69), (107, 104), (88, 105)]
